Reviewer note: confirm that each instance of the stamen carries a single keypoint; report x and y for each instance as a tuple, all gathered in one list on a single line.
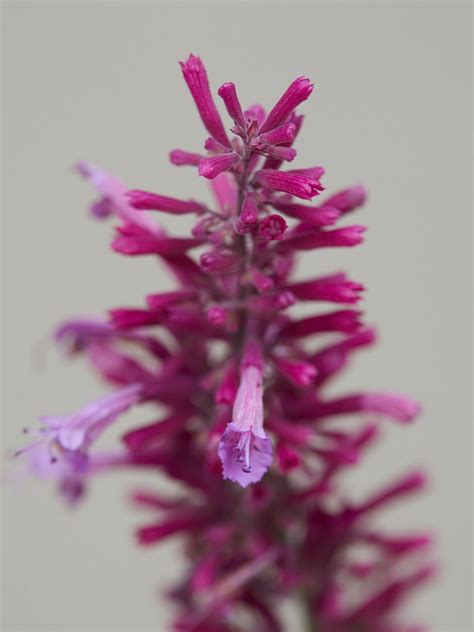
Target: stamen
[(26, 448), (243, 448), (52, 457), (35, 431), (247, 454)]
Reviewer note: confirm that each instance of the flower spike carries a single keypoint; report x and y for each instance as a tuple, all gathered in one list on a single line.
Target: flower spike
[(223, 363)]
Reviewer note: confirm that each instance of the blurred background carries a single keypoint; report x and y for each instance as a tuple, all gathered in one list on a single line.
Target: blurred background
[(100, 81)]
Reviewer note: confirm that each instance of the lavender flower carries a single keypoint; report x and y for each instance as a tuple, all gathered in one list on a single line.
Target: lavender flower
[(245, 450), (251, 432)]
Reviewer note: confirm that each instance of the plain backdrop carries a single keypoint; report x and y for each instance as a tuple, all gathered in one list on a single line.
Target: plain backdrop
[(391, 108)]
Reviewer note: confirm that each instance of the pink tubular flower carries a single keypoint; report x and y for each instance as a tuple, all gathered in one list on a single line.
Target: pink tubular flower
[(222, 362), (130, 318), (312, 216), (408, 484), (213, 166), (228, 94), (336, 288), (395, 407), (153, 533), (310, 172), (195, 76), (249, 214), (331, 359), (178, 157), (215, 261), (344, 321), (165, 299), (245, 450), (281, 135), (349, 199), (153, 202), (281, 153), (132, 240), (295, 184), (304, 239), (73, 435), (214, 147), (297, 92)]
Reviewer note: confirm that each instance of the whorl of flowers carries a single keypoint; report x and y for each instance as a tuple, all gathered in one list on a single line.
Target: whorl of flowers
[(247, 428)]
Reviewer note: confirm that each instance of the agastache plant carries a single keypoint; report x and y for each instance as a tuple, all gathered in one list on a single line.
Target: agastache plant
[(244, 421)]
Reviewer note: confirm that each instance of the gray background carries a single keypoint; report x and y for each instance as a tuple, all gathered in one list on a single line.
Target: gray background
[(100, 81)]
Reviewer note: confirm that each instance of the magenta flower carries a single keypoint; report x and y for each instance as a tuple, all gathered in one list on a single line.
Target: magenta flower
[(245, 423), (294, 183), (195, 76)]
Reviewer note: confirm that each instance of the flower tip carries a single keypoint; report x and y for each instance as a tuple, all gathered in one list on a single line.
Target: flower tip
[(359, 194), (135, 197), (144, 535), (179, 158), (175, 157), (417, 480), (305, 85), (192, 62), (225, 88), (204, 169), (396, 407), (408, 410)]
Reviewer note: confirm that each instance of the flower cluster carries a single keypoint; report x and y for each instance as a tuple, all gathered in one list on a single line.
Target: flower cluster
[(244, 423)]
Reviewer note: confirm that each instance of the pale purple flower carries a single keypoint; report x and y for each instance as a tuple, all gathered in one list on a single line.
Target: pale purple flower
[(151, 201), (68, 438), (61, 451), (348, 199), (133, 240), (336, 288), (284, 134), (308, 238), (249, 213), (245, 449), (114, 199)]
